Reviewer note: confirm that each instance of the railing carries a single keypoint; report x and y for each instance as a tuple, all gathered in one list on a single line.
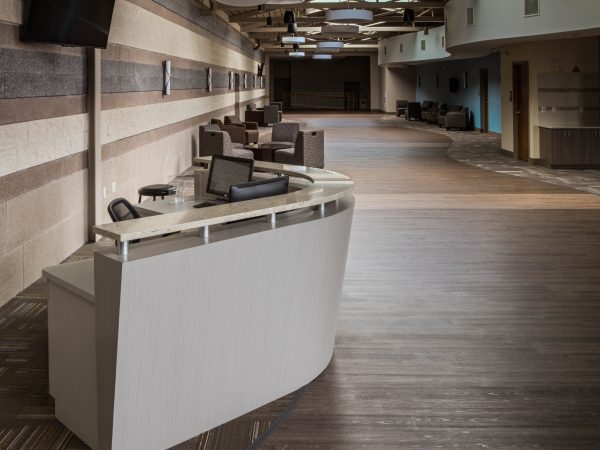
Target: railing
[(320, 100)]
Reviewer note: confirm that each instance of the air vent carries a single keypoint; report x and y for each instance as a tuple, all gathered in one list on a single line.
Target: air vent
[(532, 7), (423, 44), (470, 16)]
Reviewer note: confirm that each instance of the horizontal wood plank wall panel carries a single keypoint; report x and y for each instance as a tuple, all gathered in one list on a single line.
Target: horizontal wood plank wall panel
[(121, 123), (136, 27), (122, 146), (187, 14), (35, 108), (11, 11)]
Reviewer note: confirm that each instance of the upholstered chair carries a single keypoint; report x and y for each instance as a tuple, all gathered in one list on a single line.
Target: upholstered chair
[(251, 128), (401, 108), (237, 134), (219, 143), (285, 133), (309, 150), (442, 114), (458, 119), (272, 114)]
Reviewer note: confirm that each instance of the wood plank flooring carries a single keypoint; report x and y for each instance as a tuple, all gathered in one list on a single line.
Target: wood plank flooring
[(470, 315)]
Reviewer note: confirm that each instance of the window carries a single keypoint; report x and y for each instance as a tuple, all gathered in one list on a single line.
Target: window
[(401, 47), (470, 16), (423, 44), (532, 8)]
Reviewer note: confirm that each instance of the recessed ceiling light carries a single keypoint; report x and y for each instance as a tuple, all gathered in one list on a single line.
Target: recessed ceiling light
[(296, 54)]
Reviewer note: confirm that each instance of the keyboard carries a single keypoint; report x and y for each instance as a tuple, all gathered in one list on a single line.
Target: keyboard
[(208, 203)]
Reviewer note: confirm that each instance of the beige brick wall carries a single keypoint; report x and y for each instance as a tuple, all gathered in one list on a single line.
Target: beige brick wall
[(39, 228)]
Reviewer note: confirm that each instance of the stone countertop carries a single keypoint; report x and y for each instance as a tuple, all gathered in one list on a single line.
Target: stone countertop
[(325, 186)]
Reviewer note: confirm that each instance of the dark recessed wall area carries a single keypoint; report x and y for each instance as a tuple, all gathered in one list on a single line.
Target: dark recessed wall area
[(342, 74)]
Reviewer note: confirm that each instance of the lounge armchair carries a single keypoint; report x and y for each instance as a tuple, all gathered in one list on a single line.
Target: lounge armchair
[(263, 116), (401, 108), (442, 114), (285, 133), (250, 127), (431, 114), (458, 119), (309, 150), (414, 111), (238, 134), (219, 143)]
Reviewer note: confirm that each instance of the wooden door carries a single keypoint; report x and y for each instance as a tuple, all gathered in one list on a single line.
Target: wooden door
[(521, 110), (484, 98)]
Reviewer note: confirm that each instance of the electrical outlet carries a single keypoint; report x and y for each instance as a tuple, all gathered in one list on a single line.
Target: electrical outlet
[(103, 192), (114, 186)]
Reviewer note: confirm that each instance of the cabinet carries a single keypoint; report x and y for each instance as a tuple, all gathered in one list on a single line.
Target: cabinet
[(570, 148)]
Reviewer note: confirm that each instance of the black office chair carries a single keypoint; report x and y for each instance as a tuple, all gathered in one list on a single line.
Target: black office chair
[(120, 209)]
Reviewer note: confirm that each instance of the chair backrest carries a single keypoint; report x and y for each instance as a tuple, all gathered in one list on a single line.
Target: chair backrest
[(285, 131), (401, 104), (209, 127), (271, 113), (120, 209), (211, 142), (278, 104), (426, 104), (218, 122), (251, 107), (309, 149), (454, 108), (234, 120)]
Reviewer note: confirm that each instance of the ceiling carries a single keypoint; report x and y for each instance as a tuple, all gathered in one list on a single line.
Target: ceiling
[(388, 20)]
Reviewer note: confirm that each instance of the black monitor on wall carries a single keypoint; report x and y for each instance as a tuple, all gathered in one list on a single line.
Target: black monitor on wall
[(454, 84), (76, 23)]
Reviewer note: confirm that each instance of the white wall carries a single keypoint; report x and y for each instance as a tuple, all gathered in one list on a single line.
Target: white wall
[(397, 83), (389, 49), (504, 20), (544, 57)]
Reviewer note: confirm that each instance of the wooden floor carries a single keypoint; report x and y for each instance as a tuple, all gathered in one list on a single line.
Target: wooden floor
[(470, 315)]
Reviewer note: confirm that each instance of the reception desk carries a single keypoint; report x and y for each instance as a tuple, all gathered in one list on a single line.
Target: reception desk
[(152, 343)]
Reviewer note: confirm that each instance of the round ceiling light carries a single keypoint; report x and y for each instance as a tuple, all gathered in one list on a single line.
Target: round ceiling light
[(330, 44), (293, 39), (348, 15), (322, 56), (296, 54)]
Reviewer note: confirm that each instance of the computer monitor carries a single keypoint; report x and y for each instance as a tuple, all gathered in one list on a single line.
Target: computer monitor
[(259, 189), (226, 171)]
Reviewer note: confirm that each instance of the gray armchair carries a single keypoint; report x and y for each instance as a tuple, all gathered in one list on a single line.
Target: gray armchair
[(442, 114), (263, 116), (401, 108), (458, 119), (238, 134), (285, 133), (309, 150), (219, 143)]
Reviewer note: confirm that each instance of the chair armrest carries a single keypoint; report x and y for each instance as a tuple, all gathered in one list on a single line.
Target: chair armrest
[(251, 125)]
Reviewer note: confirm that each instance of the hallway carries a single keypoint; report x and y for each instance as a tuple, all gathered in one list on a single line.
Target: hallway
[(470, 310)]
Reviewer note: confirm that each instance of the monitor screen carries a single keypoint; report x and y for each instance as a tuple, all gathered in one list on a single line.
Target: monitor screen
[(79, 23), (227, 170)]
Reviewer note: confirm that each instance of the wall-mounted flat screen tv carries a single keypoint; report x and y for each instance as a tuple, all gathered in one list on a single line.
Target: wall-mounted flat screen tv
[(76, 23), (454, 84)]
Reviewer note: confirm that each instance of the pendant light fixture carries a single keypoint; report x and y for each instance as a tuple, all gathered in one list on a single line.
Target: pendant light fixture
[(292, 28), (331, 45), (349, 15), (322, 56), (296, 54), (293, 39), (288, 17), (269, 21), (250, 3)]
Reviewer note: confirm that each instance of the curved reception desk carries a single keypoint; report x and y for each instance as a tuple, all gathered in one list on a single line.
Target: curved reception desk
[(153, 343)]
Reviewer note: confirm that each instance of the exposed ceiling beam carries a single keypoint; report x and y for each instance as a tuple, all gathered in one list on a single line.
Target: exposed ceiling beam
[(364, 5), (283, 30), (314, 18)]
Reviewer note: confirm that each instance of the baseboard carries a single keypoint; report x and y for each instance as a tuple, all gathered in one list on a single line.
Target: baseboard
[(535, 162)]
